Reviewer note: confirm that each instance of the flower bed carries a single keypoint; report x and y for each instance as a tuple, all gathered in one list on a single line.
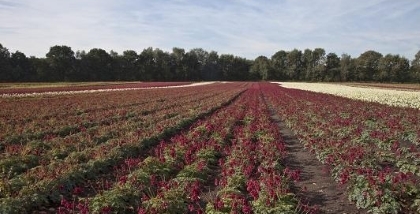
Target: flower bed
[(385, 96), (371, 148), (45, 182), (31, 91)]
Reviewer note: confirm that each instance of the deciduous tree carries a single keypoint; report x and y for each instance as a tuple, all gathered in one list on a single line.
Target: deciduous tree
[(61, 60), (367, 65)]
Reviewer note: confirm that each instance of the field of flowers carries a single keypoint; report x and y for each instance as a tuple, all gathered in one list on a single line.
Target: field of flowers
[(371, 148), (204, 149), (385, 95), (34, 89)]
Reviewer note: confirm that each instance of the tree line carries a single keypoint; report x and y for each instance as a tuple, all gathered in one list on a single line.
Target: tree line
[(61, 63)]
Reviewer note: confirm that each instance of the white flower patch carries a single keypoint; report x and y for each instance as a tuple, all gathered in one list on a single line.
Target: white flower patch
[(385, 96), (96, 90)]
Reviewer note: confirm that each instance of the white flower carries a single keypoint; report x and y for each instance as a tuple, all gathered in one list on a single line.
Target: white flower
[(385, 96)]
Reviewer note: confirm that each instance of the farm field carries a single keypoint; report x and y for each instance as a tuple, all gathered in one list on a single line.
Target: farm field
[(405, 86), (208, 148), (393, 95), (33, 89)]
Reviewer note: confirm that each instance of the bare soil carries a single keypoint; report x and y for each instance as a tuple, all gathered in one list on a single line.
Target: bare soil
[(316, 187)]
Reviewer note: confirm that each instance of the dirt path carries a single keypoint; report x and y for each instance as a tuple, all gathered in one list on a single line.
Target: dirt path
[(321, 189)]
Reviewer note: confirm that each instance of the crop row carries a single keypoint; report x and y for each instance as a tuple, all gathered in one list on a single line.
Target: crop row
[(46, 183), (35, 89), (228, 162), (41, 115), (106, 128), (389, 96), (372, 149)]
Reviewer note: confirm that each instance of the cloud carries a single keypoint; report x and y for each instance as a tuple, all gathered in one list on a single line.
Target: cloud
[(245, 28)]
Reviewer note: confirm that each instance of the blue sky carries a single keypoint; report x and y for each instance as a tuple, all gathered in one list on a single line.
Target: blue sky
[(241, 27)]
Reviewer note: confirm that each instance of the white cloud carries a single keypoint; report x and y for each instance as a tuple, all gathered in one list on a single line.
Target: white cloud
[(242, 27)]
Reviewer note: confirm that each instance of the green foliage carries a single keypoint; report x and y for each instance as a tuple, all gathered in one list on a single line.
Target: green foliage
[(193, 171), (172, 201), (152, 165), (121, 200), (285, 204), (154, 64)]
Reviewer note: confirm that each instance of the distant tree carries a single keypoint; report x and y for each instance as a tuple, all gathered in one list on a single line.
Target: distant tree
[(313, 64), (279, 65), (401, 70), (147, 64), (62, 64), (294, 65), (129, 65), (261, 69), (81, 67), (367, 66), (42, 69), (308, 64), (5, 67), (226, 66), (201, 56), (116, 66), (211, 69), (178, 55), (241, 67), (319, 60), (393, 68), (332, 68), (162, 66), (347, 67), (415, 68), (192, 66), (61, 60), (22, 69), (97, 63), (234, 68)]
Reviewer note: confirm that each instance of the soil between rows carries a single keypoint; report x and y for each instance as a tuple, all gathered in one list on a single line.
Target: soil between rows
[(316, 187)]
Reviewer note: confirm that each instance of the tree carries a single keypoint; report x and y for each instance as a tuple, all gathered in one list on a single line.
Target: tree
[(81, 70), (393, 68), (192, 66), (97, 64), (401, 70), (332, 68), (22, 69), (116, 66), (147, 64), (319, 61), (62, 64), (129, 66), (279, 65), (241, 67), (42, 69), (261, 68), (5, 68), (162, 66), (61, 60), (415, 68), (234, 68), (308, 64), (347, 66), (294, 65), (211, 69), (226, 66), (367, 66), (178, 55), (202, 57)]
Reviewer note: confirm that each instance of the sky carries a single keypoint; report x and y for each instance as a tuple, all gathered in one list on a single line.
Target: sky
[(243, 28)]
